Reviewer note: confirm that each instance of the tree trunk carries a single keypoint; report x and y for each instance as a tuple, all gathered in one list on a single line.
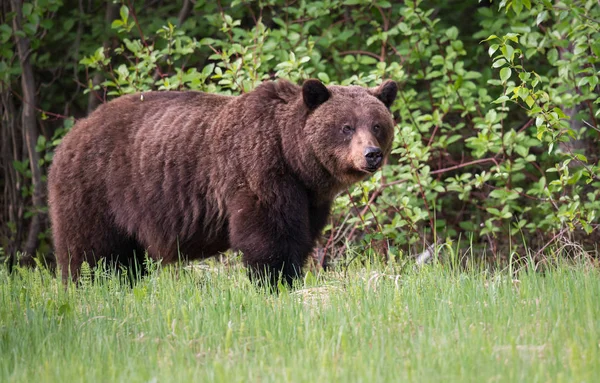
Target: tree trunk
[(184, 13), (29, 126), (10, 180)]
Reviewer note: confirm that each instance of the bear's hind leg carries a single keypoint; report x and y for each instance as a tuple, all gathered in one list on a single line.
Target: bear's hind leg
[(70, 251), (93, 242)]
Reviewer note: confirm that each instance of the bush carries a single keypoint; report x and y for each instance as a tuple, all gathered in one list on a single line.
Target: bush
[(497, 133)]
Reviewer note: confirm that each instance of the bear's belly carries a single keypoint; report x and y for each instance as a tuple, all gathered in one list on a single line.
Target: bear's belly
[(200, 247)]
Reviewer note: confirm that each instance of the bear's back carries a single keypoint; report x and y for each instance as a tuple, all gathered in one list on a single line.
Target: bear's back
[(137, 158)]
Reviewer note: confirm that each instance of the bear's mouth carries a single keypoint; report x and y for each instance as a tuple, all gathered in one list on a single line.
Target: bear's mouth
[(371, 169), (363, 171)]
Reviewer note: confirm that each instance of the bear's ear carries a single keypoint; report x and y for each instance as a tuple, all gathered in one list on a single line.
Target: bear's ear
[(386, 92), (314, 93)]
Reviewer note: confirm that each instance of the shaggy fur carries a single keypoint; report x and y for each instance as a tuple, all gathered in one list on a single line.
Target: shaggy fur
[(192, 174)]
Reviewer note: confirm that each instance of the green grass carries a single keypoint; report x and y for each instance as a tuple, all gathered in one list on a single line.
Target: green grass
[(181, 325)]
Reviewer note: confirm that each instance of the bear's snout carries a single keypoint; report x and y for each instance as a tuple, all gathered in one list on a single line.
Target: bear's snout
[(373, 156)]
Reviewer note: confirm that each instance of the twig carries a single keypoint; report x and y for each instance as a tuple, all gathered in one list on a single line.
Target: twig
[(359, 52), (590, 125), (483, 160), (33, 105), (551, 241)]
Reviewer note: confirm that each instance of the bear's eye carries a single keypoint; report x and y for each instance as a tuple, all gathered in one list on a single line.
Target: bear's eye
[(376, 128), (347, 129)]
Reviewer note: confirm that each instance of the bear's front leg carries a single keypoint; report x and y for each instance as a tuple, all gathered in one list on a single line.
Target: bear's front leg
[(273, 234)]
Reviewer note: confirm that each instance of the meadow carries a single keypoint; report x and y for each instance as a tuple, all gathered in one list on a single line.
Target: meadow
[(497, 138), (369, 323)]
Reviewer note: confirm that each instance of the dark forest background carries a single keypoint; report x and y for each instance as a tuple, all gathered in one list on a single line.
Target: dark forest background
[(497, 137)]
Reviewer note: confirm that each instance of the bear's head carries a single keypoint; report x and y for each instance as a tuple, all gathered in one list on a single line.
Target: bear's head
[(350, 128)]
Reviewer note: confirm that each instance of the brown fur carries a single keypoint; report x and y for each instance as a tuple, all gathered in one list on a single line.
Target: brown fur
[(194, 174)]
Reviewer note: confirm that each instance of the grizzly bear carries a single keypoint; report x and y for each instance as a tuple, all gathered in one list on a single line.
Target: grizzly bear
[(189, 174)]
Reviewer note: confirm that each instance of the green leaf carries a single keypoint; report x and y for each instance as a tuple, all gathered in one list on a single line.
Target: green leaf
[(5, 32), (30, 28), (492, 49), (539, 120), (505, 74), (581, 157), (517, 6), (384, 4), (580, 48), (323, 77), (524, 76), (27, 8), (116, 24), (452, 33), (41, 143), (512, 37), (593, 81), (583, 81), (367, 60), (508, 52), (458, 83), (207, 70), (437, 60), (540, 132), (523, 92), (490, 38), (552, 56), (541, 17), (124, 12), (530, 101), (493, 210), (207, 41), (498, 63), (47, 23), (560, 113), (521, 150), (497, 193)]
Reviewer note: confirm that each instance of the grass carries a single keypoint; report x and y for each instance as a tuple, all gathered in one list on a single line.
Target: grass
[(210, 324)]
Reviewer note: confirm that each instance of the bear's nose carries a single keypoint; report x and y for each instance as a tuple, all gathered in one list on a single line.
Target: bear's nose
[(374, 157)]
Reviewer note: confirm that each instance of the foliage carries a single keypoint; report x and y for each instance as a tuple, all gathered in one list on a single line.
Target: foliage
[(497, 133)]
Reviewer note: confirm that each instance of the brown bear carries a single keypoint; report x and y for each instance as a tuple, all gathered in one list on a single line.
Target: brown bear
[(189, 174)]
